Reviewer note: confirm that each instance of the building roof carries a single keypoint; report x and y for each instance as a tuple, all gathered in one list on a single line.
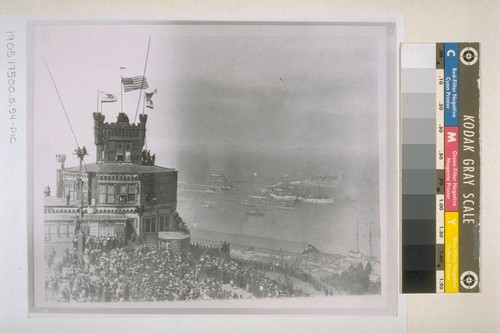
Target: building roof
[(119, 168), (55, 202), (171, 235)]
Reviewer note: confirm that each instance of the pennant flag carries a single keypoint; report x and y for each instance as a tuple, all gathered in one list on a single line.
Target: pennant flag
[(149, 101), (134, 83), (107, 98)]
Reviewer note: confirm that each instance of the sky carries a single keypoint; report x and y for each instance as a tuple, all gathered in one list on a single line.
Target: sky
[(267, 89)]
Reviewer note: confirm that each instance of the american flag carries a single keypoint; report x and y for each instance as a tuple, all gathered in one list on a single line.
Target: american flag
[(134, 83)]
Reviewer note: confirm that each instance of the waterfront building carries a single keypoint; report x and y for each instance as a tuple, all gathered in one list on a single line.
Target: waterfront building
[(124, 193)]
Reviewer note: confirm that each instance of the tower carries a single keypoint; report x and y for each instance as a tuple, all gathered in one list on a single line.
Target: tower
[(119, 141), (60, 158)]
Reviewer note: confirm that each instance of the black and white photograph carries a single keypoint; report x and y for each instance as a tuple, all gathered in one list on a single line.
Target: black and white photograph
[(213, 166)]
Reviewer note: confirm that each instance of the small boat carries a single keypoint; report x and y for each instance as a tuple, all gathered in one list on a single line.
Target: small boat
[(248, 204)]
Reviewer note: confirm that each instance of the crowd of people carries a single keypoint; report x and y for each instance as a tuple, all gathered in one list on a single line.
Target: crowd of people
[(117, 273), (197, 249), (104, 242), (284, 269)]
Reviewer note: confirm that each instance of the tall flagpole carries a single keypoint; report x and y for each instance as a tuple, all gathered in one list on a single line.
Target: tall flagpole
[(121, 94), (98, 101), (142, 83), (121, 91)]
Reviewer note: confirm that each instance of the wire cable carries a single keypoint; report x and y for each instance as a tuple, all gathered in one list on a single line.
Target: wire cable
[(60, 100)]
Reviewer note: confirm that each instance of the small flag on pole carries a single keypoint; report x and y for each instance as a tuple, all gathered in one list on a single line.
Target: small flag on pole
[(134, 83), (149, 101), (107, 98)]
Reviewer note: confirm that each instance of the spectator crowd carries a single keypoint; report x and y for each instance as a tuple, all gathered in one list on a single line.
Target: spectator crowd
[(113, 272)]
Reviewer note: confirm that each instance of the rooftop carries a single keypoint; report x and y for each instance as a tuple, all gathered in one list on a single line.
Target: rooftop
[(55, 202), (171, 235), (119, 168)]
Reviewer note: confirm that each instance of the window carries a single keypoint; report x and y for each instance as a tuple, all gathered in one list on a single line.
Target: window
[(125, 193), (119, 152), (106, 229), (63, 231), (132, 191), (147, 225), (153, 224), (53, 231), (161, 227), (111, 194), (127, 152), (120, 229), (171, 223), (102, 193)]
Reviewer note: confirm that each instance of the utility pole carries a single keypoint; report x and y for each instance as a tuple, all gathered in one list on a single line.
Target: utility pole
[(80, 153)]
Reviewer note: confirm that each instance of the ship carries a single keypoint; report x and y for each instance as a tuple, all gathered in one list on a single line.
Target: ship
[(284, 197), (255, 212), (285, 207), (208, 201), (220, 181), (257, 196), (315, 200), (298, 190), (217, 174), (323, 201)]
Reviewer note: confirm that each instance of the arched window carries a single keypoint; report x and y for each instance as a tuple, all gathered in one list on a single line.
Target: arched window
[(119, 153), (128, 152)]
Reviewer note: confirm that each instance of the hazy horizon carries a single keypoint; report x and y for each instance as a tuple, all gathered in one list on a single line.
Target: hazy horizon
[(252, 90)]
